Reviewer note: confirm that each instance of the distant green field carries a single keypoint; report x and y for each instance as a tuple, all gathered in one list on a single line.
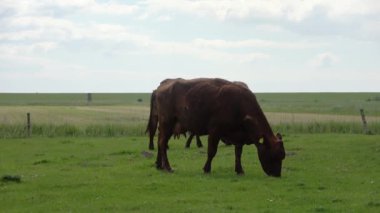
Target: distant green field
[(322, 103), (73, 99), (321, 173), (127, 113)]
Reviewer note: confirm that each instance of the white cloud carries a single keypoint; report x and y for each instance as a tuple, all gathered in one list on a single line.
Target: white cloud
[(49, 7), (279, 9), (204, 53), (342, 8), (255, 43), (270, 28), (371, 30), (165, 18), (43, 28), (311, 17), (325, 60)]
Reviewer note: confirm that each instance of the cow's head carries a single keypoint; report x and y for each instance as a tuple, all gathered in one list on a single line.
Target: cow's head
[(271, 154)]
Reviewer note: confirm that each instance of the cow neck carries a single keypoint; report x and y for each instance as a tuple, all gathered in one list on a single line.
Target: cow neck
[(266, 130)]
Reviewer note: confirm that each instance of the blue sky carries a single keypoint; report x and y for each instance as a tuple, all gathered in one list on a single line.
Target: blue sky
[(130, 46)]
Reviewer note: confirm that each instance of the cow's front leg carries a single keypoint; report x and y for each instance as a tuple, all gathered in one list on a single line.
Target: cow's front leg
[(212, 148), (238, 151)]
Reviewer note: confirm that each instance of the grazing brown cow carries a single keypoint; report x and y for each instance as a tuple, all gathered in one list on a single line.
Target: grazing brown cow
[(219, 109)]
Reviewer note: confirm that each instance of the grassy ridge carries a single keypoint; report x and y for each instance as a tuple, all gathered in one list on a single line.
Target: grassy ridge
[(73, 99), (322, 103), (321, 173)]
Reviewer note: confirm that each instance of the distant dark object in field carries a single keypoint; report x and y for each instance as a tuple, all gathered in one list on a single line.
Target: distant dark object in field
[(377, 98), (147, 154), (140, 100), (89, 98), (11, 178), (290, 153), (40, 162)]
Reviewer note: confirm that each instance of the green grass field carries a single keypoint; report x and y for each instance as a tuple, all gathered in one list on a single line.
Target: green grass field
[(320, 103), (321, 173), (73, 99)]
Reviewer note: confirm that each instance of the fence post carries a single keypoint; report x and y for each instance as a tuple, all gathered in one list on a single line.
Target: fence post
[(365, 127), (89, 98), (28, 124)]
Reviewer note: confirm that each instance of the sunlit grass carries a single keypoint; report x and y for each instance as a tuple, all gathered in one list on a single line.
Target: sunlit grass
[(321, 173)]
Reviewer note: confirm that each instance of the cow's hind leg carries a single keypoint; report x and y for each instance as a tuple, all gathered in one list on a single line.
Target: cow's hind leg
[(199, 142), (211, 152), (152, 131), (188, 142), (164, 136), (159, 158), (238, 151)]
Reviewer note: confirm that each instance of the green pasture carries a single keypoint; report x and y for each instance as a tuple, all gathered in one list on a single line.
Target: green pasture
[(92, 156), (321, 173)]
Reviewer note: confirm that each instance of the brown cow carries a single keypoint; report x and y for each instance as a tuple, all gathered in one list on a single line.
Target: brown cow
[(153, 117), (199, 142), (219, 109)]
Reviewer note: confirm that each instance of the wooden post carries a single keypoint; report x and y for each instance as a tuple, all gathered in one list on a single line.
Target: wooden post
[(365, 127), (89, 98), (28, 124)]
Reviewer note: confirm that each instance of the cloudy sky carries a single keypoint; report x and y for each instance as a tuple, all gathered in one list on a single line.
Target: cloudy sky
[(130, 46)]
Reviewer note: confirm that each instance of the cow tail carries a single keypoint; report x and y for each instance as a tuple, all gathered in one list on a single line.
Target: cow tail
[(151, 113)]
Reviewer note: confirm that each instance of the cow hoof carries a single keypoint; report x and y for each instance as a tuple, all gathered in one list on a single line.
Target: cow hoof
[(206, 171), (240, 173), (158, 166), (168, 170)]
